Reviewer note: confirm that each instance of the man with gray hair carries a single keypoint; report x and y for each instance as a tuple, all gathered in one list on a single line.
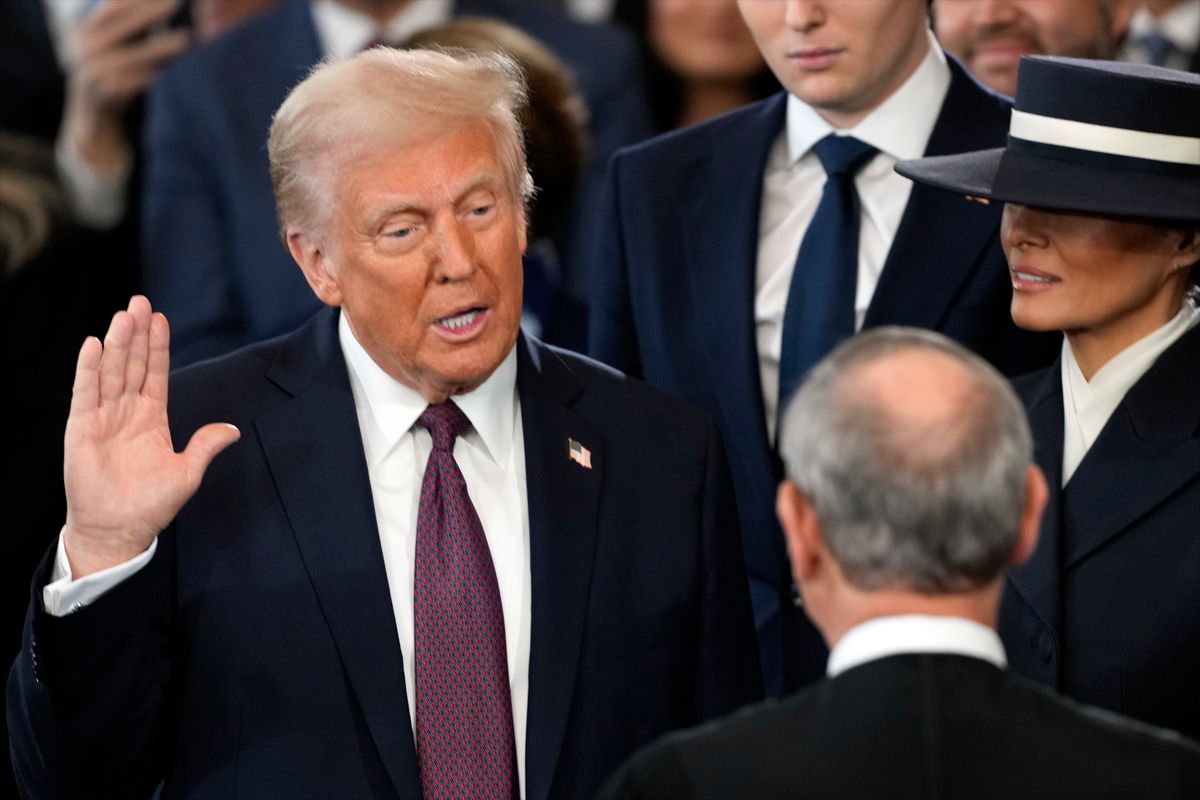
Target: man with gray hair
[(910, 488), (436, 558)]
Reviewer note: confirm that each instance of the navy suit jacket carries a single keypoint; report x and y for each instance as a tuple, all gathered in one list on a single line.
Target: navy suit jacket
[(1108, 608), (674, 302), (257, 656), (213, 259)]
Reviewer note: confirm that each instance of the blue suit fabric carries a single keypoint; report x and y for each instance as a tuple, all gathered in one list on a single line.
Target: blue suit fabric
[(673, 303), (256, 655)]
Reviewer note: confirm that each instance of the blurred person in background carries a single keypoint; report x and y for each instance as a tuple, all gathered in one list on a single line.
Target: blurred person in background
[(701, 59), (990, 36), (1165, 33), (555, 124)]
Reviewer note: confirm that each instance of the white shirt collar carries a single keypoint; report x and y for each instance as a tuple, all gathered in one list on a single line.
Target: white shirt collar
[(1087, 405), (900, 126), (914, 633), (344, 31), (393, 408), (1181, 24)]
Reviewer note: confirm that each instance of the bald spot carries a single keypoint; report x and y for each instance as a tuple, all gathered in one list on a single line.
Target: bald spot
[(928, 403)]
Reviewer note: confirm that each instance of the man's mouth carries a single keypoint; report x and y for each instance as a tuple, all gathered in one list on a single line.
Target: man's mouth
[(462, 324)]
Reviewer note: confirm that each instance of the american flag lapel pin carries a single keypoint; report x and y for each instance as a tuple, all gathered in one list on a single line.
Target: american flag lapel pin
[(983, 201), (579, 454)]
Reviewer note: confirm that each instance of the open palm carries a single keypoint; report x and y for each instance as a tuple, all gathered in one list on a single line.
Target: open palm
[(124, 480)]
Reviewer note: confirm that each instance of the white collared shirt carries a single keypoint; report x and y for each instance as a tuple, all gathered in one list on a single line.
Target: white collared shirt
[(492, 458), (792, 185), (1087, 405), (344, 31), (1180, 24), (914, 633)]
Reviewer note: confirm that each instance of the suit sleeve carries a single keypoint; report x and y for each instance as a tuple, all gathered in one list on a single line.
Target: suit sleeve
[(185, 251), (728, 675), (86, 695), (611, 334)]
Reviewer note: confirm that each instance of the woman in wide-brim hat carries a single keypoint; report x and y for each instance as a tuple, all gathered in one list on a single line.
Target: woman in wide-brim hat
[(1101, 227)]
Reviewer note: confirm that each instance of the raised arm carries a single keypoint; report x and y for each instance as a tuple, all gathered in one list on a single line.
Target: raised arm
[(124, 480)]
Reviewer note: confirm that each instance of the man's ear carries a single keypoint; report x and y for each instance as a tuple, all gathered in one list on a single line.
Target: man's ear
[(315, 264), (801, 531), (1036, 493)]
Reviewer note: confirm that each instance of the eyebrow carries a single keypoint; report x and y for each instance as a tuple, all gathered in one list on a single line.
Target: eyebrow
[(484, 179)]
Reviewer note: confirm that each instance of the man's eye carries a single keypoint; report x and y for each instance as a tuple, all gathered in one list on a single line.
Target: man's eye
[(400, 233), (482, 211)]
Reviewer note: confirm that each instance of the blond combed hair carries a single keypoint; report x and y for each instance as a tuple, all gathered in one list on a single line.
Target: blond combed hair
[(342, 109)]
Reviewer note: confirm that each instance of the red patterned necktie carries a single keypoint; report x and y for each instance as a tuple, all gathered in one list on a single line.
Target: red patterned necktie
[(464, 713)]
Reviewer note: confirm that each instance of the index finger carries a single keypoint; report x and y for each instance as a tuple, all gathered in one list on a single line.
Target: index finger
[(85, 392), (158, 362)]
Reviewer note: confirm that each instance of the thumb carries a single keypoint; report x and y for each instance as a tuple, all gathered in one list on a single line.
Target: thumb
[(204, 445)]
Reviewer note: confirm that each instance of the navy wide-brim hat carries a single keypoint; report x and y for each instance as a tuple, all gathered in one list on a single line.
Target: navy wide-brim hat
[(1094, 137)]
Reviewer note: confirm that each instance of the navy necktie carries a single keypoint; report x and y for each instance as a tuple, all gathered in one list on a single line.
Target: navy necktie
[(1159, 48), (465, 743), (820, 303)]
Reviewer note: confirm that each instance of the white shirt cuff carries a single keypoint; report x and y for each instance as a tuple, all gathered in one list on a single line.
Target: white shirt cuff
[(63, 596), (97, 198)]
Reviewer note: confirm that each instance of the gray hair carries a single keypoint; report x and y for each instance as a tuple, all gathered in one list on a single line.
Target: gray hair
[(931, 505), (342, 107)]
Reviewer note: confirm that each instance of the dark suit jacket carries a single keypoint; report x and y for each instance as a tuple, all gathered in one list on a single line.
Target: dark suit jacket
[(916, 726), (257, 656), (674, 302), (1108, 608), (214, 262)]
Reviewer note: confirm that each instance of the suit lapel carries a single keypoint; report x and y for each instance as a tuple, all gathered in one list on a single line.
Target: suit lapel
[(1149, 448), (325, 490), (942, 235), (721, 253), (1039, 580), (564, 502)]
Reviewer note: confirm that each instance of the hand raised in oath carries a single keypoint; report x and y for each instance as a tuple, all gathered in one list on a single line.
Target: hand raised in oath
[(124, 480)]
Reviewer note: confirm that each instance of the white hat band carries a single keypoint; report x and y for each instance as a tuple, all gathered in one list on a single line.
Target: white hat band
[(1103, 139)]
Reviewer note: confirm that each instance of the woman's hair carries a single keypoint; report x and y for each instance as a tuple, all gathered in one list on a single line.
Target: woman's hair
[(664, 86)]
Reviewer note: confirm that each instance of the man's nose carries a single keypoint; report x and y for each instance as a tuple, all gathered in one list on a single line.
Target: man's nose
[(455, 250), (804, 15)]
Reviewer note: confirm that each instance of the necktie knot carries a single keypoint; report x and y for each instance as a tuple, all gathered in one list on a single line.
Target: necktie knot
[(843, 155), (444, 421), (1159, 48)]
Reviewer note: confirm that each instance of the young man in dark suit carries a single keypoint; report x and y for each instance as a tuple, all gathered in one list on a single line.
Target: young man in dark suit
[(729, 263), (911, 488), (443, 560)]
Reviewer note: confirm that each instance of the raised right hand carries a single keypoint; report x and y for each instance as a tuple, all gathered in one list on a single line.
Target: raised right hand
[(124, 480)]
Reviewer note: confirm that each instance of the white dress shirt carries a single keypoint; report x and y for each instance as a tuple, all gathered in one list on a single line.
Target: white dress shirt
[(914, 633), (492, 458), (1180, 24), (343, 31), (1087, 405), (792, 184)]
